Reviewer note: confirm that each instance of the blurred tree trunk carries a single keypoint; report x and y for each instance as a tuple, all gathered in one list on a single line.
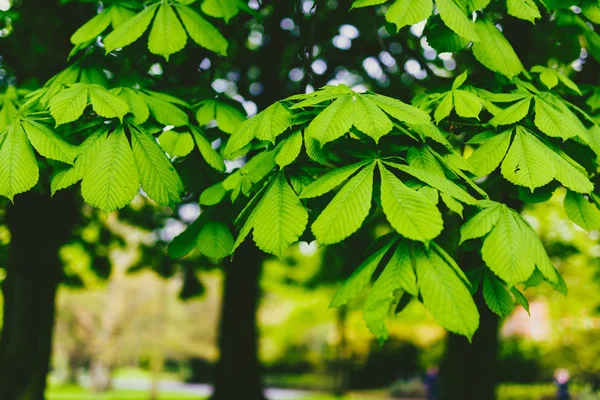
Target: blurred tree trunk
[(238, 371), (39, 227), (41, 38), (468, 370), (100, 376), (341, 363), (237, 374)]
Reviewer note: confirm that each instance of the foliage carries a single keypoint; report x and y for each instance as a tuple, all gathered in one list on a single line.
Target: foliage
[(339, 157)]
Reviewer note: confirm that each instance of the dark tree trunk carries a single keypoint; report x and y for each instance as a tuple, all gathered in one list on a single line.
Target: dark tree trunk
[(39, 227), (468, 370), (39, 45), (237, 375)]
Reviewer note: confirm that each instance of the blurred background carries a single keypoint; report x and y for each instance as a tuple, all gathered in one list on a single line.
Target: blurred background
[(124, 331)]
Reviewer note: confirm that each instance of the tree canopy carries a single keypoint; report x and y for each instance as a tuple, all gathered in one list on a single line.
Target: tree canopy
[(501, 130)]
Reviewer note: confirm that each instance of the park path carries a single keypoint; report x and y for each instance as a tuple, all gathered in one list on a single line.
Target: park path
[(204, 390)]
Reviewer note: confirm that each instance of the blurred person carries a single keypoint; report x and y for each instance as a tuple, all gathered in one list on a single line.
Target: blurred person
[(431, 383), (561, 378)]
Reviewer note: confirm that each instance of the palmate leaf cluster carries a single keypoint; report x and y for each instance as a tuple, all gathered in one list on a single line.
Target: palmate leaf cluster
[(457, 25), (325, 165), (114, 153), (169, 23), (334, 159)]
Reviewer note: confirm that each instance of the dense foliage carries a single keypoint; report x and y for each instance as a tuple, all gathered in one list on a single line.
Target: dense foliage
[(338, 157)]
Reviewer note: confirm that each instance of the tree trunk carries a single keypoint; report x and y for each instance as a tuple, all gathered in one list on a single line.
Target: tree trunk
[(237, 374), (340, 371), (39, 226), (468, 370), (39, 44)]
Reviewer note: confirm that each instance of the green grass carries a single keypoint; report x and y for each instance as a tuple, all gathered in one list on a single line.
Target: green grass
[(78, 393)]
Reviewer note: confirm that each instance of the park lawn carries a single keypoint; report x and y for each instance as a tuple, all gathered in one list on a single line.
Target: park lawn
[(78, 393)]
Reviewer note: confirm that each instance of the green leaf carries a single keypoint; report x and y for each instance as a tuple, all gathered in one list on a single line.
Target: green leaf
[(167, 36), (488, 156), (215, 240), (567, 82), (186, 241), (212, 195), (92, 29), (165, 112), (333, 122), (366, 3), (549, 79), (225, 9), (242, 136), (399, 110), (111, 181), (481, 137), (456, 19), (280, 217), (289, 150), (496, 296), (520, 299), (64, 178), (430, 130), (346, 212), (526, 163), (551, 121), (494, 51), (506, 251), (512, 114), (202, 32), (131, 30), (89, 148), (176, 144), (480, 224), (106, 104), (136, 105), (408, 211), (331, 180), (69, 104), (19, 170), (250, 220), (474, 5), (369, 118), (467, 104), (436, 181), (444, 294), (398, 274), (444, 108), (581, 211), (452, 204), (540, 257), (228, 117), (157, 175), (591, 10), (361, 277), (48, 143), (459, 80), (119, 15), (208, 153), (442, 38), (422, 158), (408, 12), (569, 173), (272, 122), (523, 9)]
